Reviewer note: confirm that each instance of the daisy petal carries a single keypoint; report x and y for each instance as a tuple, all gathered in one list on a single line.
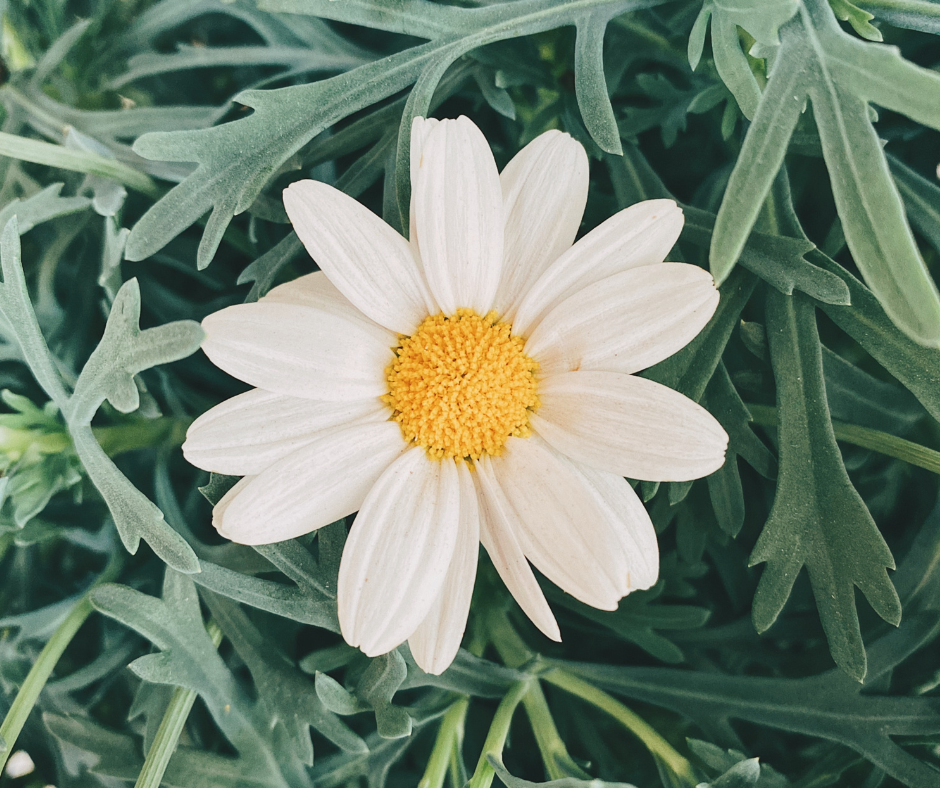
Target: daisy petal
[(435, 642), (626, 322), (300, 351), (560, 526), (398, 552), (218, 511), (247, 433), (317, 291), (458, 210), (637, 236), (629, 426), (497, 524), (630, 524), (367, 260), (545, 189), (420, 128), (314, 486)]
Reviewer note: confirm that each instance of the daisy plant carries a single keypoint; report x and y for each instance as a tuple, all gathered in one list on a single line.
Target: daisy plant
[(469, 393), (472, 384)]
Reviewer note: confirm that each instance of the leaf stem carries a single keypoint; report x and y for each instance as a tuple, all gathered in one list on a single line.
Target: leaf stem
[(652, 740), (448, 741), (39, 674), (514, 653), (867, 438), (171, 727), (496, 737)]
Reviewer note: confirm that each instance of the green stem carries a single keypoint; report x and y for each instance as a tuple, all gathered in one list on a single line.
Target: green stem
[(171, 727), (876, 440), (496, 737), (656, 744), (449, 739), (48, 658), (514, 653), (40, 152)]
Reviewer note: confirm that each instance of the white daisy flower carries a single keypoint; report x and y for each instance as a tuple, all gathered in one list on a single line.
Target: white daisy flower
[(474, 385)]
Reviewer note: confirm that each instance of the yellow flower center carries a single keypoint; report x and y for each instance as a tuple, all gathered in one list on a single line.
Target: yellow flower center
[(461, 385)]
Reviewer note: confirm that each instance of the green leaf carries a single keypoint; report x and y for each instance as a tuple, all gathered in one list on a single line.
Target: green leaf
[(761, 18), (188, 658), (41, 207), (921, 199), (590, 84), (639, 621), (779, 260), (467, 674), (923, 15), (237, 159), (916, 367), (827, 706), (724, 486), (840, 74), (818, 519), (378, 686), (565, 782), (288, 601), (289, 696), (124, 350), (860, 19), (742, 775), (65, 158), (114, 755), (297, 59)]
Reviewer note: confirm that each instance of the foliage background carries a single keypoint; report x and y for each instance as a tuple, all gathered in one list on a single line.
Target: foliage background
[(143, 141)]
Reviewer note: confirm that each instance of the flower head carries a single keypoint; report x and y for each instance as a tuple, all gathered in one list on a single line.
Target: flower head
[(472, 385)]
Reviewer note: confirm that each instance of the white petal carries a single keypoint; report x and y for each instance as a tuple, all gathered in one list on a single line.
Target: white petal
[(497, 526), (316, 485), (639, 235), (317, 291), (398, 552), (247, 433), (626, 322), (367, 260), (300, 351), (560, 526), (545, 188), (435, 642), (218, 511), (629, 522), (420, 128), (458, 210), (629, 426)]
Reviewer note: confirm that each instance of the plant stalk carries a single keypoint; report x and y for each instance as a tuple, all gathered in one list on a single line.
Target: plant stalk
[(171, 727)]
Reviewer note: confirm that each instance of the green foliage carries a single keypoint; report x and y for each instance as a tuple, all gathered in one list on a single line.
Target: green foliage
[(142, 141)]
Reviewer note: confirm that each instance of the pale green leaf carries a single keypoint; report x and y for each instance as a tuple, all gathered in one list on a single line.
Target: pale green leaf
[(818, 519)]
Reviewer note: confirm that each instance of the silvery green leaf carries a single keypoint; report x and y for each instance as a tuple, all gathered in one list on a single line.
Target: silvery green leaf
[(238, 158), (818, 520), (760, 18), (289, 697), (565, 782), (840, 75), (123, 351)]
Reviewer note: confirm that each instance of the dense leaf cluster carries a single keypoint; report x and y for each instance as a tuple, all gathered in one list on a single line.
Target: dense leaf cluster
[(143, 149)]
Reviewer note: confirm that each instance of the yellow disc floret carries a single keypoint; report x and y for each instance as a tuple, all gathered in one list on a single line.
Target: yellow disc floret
[(461, 385)]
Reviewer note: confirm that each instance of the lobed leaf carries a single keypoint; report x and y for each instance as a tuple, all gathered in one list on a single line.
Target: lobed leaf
[(818, 520), (840, 75)]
